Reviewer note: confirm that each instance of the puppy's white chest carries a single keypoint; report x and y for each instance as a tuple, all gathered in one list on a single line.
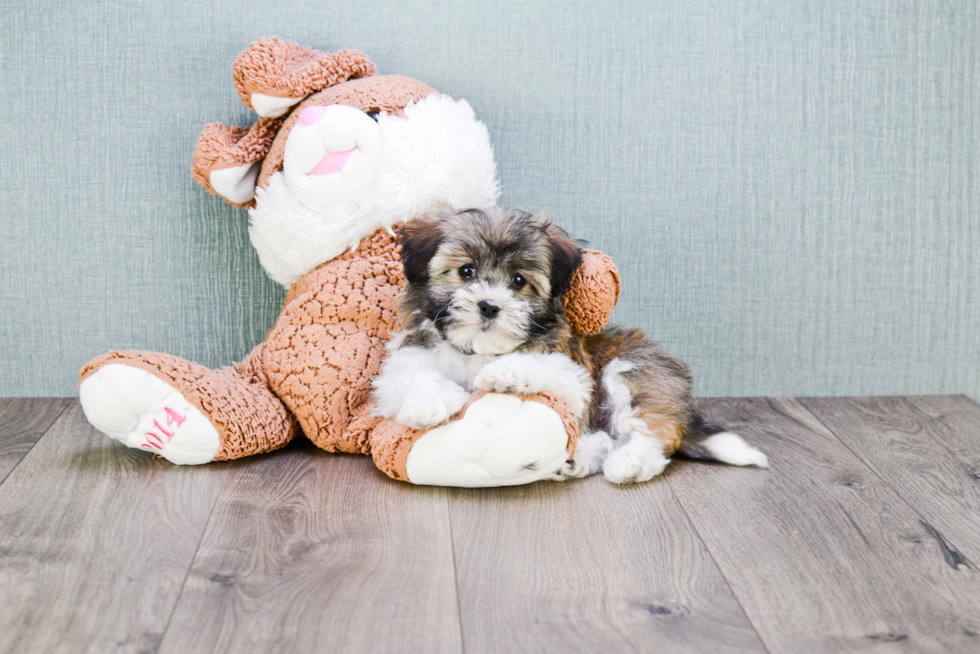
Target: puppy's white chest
[(461, 368)]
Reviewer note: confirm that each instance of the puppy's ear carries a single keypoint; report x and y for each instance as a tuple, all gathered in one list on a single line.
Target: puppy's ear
[(566, 257), (419, 239)]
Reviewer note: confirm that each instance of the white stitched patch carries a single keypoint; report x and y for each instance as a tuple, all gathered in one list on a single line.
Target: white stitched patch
[(142, 411), (236, 183), (500, 441), (270, 106)]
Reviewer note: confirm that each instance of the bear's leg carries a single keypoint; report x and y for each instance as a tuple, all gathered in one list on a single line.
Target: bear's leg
[(182, 411), (495, 440)]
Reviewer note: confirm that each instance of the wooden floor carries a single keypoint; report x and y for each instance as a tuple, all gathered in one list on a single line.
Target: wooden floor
[(863, 536)]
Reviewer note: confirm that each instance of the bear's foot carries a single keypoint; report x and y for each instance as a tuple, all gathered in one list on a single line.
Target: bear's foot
[(142, 411), (497, 440)]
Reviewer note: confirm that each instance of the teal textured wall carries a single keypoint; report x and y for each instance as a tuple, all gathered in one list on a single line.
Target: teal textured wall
[(791, 189)]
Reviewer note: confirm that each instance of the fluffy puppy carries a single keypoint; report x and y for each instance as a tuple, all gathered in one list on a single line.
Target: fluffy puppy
[(482, 310)]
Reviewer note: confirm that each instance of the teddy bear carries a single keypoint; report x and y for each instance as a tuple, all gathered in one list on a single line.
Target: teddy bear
[(338, 159)]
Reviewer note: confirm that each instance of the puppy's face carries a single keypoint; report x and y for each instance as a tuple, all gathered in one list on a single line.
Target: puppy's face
[(488, 280)]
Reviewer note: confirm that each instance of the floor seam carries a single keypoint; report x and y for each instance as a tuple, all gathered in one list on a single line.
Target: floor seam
[(718, 567), (452, 546), (878, 475), (31, 448), (190, 566)]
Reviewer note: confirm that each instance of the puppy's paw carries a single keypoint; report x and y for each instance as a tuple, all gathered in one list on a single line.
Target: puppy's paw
[(590, 452), (530, 373), (510, 374), (639, 460), (571, 469), (430, 405)]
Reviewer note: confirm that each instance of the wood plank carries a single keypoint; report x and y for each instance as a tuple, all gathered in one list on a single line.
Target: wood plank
[(927, 449), (822, 554), (22, 422), (958, 420), (584, 566), (95, 542), (309, 551)]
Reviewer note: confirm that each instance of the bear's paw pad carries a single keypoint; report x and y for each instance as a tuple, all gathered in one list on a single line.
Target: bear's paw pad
[(142, 411)]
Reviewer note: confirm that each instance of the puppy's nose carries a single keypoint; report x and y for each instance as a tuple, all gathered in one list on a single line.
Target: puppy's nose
[(488, 310)]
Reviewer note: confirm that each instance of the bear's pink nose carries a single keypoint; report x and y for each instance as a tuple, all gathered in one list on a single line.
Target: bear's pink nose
[(311, 114)]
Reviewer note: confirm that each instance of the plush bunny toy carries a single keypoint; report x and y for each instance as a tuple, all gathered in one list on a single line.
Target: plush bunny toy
[(338, 159)]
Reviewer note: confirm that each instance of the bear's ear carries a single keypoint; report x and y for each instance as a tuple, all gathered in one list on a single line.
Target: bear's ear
[(420, 239), (227, 159), (272, 75), (592, 294)]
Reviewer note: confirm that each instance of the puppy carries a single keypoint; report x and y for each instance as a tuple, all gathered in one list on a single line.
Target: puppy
[(482, 310)]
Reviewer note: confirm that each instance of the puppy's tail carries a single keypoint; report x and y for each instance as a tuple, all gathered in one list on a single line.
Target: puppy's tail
[(707, 442)]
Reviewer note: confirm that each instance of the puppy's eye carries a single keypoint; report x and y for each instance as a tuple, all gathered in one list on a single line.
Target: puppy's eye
[(517, 281), (467, 272), (373, 115)]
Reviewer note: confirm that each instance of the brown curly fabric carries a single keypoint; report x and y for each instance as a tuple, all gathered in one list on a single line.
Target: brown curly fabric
[(237, 400), (221, 146), (329, 342), (388, 93), (315, 369), (593, 293), (392, 441), (284, 69)]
